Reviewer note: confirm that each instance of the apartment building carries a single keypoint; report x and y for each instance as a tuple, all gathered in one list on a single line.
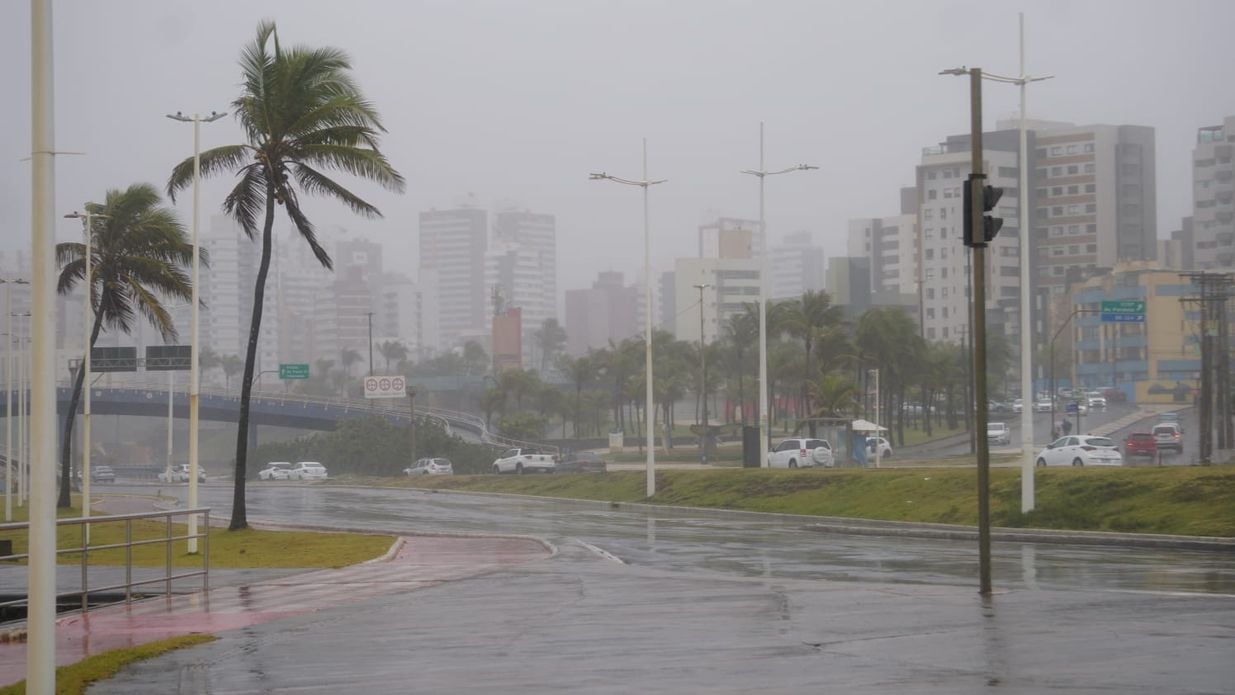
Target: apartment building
[(797, 266), (606, 311), (1212, 242), (452, 253)]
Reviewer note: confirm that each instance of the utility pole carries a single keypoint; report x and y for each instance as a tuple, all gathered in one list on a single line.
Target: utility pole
[(411, 423), (704, 440), (1214, 407)]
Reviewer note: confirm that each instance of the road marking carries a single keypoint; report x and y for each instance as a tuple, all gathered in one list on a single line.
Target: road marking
[(602, 552)]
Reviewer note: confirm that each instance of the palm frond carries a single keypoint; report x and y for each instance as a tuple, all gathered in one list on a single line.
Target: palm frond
[(305, 227), (314, 182), (365, 163), (247, 201), (213, 161), (154, 311)]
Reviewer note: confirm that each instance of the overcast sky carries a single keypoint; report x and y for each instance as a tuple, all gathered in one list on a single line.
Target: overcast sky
[(514, 102)]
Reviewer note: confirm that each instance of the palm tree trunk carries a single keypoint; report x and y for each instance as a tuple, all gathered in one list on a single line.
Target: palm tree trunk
[(239, 513), (66, 446)]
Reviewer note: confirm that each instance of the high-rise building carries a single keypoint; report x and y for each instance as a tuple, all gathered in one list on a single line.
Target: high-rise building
[(730, 237), (797, 266), (228, 290), (521, 265), (452, 258), (1095, 199), (1213, 197), (399, 310), (606, 311)]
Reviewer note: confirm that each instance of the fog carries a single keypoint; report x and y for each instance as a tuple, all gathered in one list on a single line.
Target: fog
[(513, 103)]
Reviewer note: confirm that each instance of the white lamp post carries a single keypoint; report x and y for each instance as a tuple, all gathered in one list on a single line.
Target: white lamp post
[(197, 121), (649, 411), (703, 377), (23, 407), (765, 428), (1027, 449), (87, 328)]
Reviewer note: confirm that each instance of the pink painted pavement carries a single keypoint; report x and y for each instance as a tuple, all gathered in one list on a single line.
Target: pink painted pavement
[(416, 562)]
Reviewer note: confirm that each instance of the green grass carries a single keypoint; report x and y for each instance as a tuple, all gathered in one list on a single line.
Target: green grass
[(248, 548), (75, 678), (1197, 501)]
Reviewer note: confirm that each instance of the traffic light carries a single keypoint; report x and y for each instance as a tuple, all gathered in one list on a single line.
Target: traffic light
[(988, 196)]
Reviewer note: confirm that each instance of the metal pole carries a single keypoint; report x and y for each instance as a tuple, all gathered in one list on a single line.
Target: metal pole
[(171, 392), (411, 422), (1022, 205), (647, 327), (8, 402), (194, 338), (978, 334), (87, 325), (23, 481), (765, 421), (703, 383), (370, 317), (41, 606), (878, 448)]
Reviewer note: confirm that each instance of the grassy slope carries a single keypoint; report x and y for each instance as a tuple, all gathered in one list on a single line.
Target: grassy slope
[(1178, 500)]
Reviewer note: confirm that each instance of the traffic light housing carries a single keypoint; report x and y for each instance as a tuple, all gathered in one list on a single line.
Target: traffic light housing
[(987, 198)]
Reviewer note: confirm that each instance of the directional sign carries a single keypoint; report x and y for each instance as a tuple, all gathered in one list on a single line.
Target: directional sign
[(113, 359), (1124, 311), (168, 358), (385, 387), (293, 371)]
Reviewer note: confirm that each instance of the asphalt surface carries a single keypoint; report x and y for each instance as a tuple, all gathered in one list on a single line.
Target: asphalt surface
[(665, 601)]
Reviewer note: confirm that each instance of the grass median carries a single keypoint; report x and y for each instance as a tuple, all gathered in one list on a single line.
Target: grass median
[(1196, 501)]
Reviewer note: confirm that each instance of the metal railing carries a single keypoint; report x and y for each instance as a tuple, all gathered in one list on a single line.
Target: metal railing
[(168, 538)]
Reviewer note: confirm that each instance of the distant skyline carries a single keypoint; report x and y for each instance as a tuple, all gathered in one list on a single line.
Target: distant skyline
[(514, 103)]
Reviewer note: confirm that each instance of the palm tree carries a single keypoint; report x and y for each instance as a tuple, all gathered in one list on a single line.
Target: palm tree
[(138, 255), (232, 365), (348, 358), (582, 370), (741, 336), (392, 350), (302, 115), (802, 319), (550, 339), (208, 359)]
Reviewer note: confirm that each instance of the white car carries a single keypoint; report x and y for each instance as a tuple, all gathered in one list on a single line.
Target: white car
[(1080, 450), (879, 444), (998, 433), (431, 466), (275, 470), (524, 460), (307, 470), (1042, 405), (802, 453), (1018, 405), (180, 474), (1095, 400)]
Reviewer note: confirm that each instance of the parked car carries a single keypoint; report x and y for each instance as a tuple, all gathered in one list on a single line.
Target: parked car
[(524, 460), (581, 462), (1018, 405), (275, 470), (1140, 444), (879, 444), (1080, 450), (802, 453), (998, 433), (431, 466), (1168, 436), (307, 470), (1042, 405), (180, 474)]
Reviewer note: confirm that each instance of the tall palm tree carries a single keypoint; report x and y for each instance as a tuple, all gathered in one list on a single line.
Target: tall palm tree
[(208, 359), (348, 358), (303, 115), (803, 318), (232, 365), (392, 350), (138, 257), (550, 339)]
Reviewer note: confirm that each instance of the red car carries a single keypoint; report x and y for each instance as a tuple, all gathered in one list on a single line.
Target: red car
[(1140, 444)]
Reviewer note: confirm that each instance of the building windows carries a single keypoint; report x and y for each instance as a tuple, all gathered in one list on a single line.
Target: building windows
[(930, 195), (1072, 190), (945, 315), (1090, 168), (1073, 149), (1056, 171), (1091, 207), (927, 214), (1057, 190), (930, 294), (930, 256), (1056, 211), (1089, 148), (943, 275), (943, 215), (929, 175), (1056, 151), (1089, 229), (1073, 169), (930, 314), (1072, 251), (1089, 248), (1089, 188)]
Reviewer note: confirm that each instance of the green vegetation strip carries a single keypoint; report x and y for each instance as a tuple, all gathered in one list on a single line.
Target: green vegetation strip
[(75, 678), (1195, 501), (248, 548)]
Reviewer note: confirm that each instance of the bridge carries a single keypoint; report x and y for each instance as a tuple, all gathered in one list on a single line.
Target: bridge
[(280, 410)]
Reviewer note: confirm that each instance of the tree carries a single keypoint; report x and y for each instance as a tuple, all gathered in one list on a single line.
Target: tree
[(802, 319), (550, 339), (208, 359), (348, 358), (741, 338), (232, 365), (303, 115), (392, 350), (475, 360), (139, 252), (583, 371)]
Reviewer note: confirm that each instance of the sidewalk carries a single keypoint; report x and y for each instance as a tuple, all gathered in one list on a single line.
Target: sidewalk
[(413, 563)]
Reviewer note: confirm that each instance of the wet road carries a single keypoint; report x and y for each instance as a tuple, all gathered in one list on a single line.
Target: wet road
[(1042, 427), (723, 544)]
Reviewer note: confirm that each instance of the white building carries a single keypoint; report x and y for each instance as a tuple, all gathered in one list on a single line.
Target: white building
[(521, 265), (452, 268), (797, 266), (1212, 233)]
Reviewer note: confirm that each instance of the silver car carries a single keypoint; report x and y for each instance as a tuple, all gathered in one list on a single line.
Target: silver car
[(431, 466)]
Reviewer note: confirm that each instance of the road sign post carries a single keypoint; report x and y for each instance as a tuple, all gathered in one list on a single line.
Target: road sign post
[(293, 371), (385, 387)]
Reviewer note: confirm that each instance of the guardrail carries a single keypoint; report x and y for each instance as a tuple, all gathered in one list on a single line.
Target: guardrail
[(168, 539)]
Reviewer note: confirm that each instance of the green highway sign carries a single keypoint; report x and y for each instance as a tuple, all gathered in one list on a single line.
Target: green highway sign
[(293, 371), (1124, 310)]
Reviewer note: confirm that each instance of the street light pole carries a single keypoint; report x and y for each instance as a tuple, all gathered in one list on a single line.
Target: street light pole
[(8, 395), (765, 427), (1066, 321), (87, 219), (703, 384), (370, 317), (194, 339), (649, 406)]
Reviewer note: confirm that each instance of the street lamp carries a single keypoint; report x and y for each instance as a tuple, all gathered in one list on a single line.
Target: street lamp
[(1027, 451), (370, 317), (8, 395), (194, 367), (644, 183), (765, 429), (87, 220), (703, 383)]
